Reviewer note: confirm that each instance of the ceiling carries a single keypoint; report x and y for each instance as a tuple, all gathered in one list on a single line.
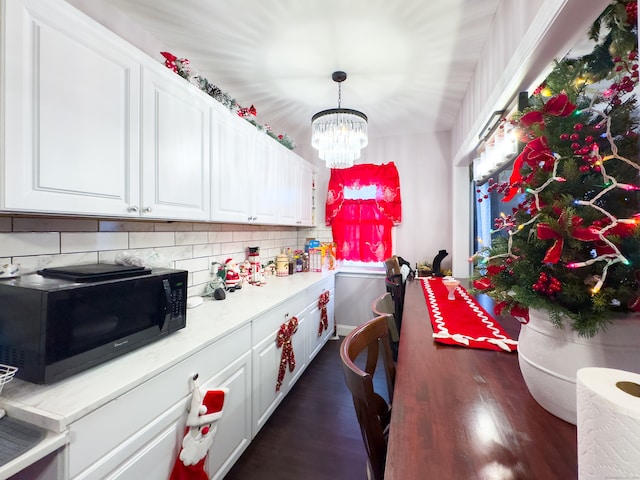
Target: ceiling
[(408, 62)]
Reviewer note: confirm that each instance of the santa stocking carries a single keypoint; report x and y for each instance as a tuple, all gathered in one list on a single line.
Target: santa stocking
[(200, 431)]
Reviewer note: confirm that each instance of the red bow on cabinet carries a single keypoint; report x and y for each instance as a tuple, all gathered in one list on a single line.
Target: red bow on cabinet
[(323, 300), (283, 340)]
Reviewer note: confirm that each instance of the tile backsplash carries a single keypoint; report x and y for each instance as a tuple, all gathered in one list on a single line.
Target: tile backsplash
[(40, 242)]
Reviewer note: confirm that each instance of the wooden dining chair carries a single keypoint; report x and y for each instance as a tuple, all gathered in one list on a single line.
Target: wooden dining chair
[(392, 266), (396, 287), (383, 306), (372, 410)]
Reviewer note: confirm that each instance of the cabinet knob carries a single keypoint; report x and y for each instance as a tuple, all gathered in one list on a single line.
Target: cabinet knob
[(132, 209), (146, 210), (249, 219)]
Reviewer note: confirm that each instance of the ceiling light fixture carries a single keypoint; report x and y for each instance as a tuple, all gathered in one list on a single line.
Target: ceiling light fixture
[(339, 133)]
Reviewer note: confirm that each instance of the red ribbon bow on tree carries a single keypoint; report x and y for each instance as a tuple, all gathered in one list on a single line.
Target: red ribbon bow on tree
[(323, 300), (546, 232), (536, 153), (283, 340), (558, 106)]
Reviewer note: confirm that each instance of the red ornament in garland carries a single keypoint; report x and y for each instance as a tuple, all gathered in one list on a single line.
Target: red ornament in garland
[(283, 340), (323, 300), (170, 61)]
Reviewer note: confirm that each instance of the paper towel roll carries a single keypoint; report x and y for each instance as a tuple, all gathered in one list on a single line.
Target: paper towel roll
[(608, 404)]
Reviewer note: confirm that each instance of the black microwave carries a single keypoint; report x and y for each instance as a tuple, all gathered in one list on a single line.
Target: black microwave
[(62, 321)]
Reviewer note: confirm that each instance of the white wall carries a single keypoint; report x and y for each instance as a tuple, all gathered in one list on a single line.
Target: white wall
[(40, 242), (354, 295), (423, 163)]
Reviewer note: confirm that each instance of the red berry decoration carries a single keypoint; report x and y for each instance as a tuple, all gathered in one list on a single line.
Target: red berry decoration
[(547, 285)]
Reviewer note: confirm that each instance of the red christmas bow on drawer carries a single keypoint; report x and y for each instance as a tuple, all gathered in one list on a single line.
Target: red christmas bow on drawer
[(323, 300), (283, 340)]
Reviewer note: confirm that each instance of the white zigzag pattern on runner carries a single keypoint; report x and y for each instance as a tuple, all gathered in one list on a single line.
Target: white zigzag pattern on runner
[(443, 332)]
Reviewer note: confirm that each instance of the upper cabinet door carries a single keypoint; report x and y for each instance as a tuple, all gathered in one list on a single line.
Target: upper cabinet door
[(70, 102), (305, 194), (233, 143), (175, 148), (265, 184), (288, 189)]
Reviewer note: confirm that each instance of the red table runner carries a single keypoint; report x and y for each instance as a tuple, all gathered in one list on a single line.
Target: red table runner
[(462, 321)]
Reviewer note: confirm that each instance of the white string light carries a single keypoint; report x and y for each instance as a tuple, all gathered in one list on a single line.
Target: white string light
[(614, 256)]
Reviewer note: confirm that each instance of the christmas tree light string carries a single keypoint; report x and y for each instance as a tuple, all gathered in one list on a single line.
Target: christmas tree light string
[(574, 190), (610, 183)]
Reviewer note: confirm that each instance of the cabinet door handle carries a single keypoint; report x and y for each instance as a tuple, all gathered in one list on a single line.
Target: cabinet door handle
[(132, 209), (146, 210)]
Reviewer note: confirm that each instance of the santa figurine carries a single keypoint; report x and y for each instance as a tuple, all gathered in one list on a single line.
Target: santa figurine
[(232, 278), (204, 414)]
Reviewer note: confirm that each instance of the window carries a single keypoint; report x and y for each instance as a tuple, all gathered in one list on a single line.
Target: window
[(363, 204)]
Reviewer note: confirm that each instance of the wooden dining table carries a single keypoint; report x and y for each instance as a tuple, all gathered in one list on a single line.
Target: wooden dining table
[(462, 413)]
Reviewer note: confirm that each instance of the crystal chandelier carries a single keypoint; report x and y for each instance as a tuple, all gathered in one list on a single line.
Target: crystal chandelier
[(339, 133)]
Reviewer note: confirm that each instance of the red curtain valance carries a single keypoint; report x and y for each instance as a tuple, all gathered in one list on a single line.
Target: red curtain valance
[(384, 176), (362, 232)]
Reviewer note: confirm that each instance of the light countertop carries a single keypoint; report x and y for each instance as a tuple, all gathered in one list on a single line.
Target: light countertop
[(56, 406)]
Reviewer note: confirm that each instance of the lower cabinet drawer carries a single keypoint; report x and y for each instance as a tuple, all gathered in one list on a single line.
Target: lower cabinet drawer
[(96, 441)]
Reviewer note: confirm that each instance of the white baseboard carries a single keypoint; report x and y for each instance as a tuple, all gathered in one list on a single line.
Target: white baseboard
[(344, 330)]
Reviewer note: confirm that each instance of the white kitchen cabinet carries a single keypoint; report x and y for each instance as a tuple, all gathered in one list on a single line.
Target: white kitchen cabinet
[(295, 190), (267, 356), (304, 194), (92, 126), (151, 418), (125, 419), (75, 140), (70, 102), (244, 171), (266, 181), (233, 145), (175, 148), (234, 429), (288, 188), (315, 341)]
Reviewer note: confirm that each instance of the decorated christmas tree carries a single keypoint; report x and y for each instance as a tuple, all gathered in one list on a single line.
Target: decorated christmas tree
[(571, 246)]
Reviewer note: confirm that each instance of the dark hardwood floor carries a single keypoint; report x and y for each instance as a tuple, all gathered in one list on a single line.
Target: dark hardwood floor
[(313, 434)]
